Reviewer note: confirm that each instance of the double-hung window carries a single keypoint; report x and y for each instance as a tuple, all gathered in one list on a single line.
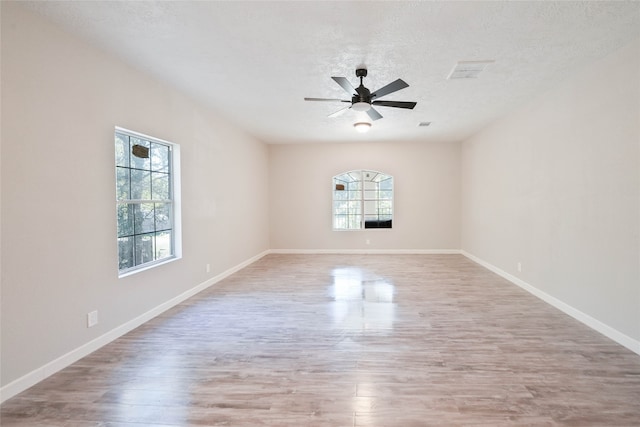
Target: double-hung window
[(146, 200)]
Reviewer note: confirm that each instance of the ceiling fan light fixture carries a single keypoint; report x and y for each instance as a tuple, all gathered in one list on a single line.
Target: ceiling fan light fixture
[(361, 106), (362, 127)]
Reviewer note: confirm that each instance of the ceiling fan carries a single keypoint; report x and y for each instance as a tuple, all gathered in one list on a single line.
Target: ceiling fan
[(362, 99)]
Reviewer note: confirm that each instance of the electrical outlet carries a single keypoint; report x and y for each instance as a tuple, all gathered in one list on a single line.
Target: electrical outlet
[(519, 267), (92, 319), (368, 242), (208, 268)]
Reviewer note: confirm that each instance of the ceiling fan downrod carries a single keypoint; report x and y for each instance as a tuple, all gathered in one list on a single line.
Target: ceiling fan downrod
[(362, 100)]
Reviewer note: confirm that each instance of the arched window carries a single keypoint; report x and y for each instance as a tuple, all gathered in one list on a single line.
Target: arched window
[(362, 199)]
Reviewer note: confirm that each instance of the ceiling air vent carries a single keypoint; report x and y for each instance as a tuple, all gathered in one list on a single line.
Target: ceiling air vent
[(468, 69), (424, 124)]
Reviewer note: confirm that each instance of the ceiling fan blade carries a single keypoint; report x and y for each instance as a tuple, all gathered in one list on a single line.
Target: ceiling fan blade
[(390, 88), (374, 114), (326, 99), (340, 111), (346, 85), (397, 104)]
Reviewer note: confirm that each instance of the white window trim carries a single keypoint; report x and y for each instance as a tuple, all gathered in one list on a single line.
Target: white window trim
[(177, 206)]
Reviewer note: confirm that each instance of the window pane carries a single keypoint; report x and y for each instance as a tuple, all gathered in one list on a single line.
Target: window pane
[(144, 220), (386, 195), (159, 157), (370, 195), (163, 244), (140, 185), (138, 162), (339, 208), (346, 222), (370, 207), (122, 150), (144, 248), (125, 220), (340, 221), (355, 195), (340, 195), (160, 186), (345, 177), (163, 216), (122, 183), (125, 252)]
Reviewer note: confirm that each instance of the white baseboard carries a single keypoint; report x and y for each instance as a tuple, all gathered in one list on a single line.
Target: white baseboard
[(39, 374), (606, 330), (367, 251)]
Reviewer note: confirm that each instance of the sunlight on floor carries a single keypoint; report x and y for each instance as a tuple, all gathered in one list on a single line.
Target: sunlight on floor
[(362, 302)]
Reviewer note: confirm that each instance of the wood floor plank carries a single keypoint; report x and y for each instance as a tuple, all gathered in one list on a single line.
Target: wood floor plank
[(348, 340)]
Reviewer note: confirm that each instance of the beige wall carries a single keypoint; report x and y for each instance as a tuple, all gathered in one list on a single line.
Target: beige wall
[(556, 186), (427, 195), (60, 102)]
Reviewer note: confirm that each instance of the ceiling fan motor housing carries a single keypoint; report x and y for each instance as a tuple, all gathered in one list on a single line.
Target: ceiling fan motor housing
[(363, 95)]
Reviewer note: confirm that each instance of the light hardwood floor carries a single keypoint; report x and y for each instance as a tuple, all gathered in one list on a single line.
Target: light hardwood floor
[(348, 340)]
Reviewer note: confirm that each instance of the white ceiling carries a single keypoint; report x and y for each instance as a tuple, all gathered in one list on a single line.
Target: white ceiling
[(254, 62)]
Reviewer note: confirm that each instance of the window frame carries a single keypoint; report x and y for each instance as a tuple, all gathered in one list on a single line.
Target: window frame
[(359, 203), (173, 201)]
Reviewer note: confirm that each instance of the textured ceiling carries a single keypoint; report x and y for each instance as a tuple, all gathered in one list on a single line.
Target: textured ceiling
[(254, 62)]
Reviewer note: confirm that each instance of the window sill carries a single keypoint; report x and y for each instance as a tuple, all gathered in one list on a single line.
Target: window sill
[(146, 267)]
